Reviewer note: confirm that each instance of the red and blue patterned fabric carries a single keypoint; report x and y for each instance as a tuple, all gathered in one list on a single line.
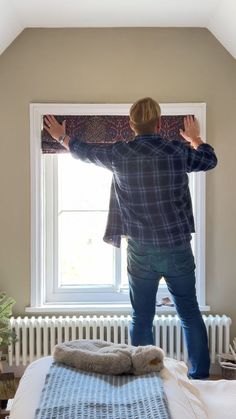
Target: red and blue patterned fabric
[(106, 129)]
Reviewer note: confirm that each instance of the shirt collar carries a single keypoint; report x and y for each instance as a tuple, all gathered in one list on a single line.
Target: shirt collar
[(148, 137)]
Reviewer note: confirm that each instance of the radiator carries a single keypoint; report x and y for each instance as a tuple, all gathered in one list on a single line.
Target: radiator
[(36, 336)]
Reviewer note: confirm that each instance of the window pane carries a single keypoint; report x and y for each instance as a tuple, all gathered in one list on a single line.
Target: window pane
[(82, 185), (83, 198), (83, 257)]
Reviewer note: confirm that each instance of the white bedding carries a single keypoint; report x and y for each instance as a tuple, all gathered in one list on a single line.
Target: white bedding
[(187, 399)]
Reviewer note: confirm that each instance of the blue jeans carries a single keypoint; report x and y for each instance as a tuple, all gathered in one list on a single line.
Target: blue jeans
[(146, 265)]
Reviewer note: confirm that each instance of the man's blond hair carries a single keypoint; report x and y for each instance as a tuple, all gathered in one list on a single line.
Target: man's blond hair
[(144, 115)]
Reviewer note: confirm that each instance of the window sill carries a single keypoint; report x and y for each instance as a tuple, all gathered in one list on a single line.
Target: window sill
[(124, 308)]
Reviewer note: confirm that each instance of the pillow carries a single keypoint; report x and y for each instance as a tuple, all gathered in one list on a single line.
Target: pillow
[(184, 398), (219, 397)]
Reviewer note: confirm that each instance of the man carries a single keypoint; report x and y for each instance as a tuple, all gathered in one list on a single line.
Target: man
[(150, 204)]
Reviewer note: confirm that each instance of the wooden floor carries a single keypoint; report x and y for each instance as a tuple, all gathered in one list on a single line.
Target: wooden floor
[(215, 377), (3, 404)]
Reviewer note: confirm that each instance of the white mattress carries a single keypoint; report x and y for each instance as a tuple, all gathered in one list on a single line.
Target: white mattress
[(187, 399)]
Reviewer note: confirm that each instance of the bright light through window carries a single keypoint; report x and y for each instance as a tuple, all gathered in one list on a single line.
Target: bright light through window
[(83, 199)]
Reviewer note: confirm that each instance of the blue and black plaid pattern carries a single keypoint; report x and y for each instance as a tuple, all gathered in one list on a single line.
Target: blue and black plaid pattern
[(150, 200)]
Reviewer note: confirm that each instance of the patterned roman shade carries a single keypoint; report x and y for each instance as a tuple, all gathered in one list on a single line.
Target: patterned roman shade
[(105, 129)]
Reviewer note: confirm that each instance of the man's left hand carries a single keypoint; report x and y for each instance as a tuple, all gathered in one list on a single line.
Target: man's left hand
[(52, 126)]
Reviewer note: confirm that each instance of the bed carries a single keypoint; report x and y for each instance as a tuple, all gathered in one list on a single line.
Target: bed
[(186, 399)]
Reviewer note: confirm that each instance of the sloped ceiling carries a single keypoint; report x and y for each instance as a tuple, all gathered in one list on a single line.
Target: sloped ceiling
[(219, 16)]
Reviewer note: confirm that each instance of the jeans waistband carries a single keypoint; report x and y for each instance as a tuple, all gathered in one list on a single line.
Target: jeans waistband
[(149, 247)]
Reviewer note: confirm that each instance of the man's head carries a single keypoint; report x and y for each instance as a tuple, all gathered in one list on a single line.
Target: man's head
[(145, 116)]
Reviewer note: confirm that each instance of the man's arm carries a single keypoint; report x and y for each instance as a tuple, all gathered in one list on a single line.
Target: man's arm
[(201, 159), (100, 154), (200, 156)]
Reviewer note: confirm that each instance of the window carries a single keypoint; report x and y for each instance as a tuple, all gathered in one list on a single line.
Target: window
[(72, 268)]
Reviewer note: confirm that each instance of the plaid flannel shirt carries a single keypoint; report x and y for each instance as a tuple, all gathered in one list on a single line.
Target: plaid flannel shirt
[(150, 200)]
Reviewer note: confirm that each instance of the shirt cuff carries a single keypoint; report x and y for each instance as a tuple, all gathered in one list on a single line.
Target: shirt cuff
[(205, 146), (72, 143)]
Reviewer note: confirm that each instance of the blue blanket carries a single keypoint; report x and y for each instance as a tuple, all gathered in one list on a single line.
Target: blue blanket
[(73, 394)]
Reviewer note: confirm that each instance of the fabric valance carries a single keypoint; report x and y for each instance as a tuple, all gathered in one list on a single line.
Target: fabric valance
[(105, 129)]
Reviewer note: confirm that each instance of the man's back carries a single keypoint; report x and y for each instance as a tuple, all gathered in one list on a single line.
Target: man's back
[(150, 188)]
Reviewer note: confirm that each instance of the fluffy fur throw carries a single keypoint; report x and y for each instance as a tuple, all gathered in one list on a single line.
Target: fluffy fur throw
[(109, 358)]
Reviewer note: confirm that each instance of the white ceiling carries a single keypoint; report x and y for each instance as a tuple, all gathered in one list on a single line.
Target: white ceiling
[(219, 16)]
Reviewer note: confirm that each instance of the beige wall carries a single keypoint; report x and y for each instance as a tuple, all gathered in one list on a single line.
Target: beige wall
[(117, 65)]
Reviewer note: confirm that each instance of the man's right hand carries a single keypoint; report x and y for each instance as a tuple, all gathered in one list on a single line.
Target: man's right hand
[(191, 131)]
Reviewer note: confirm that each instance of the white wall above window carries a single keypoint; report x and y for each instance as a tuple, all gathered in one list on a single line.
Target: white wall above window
[(46, 296)]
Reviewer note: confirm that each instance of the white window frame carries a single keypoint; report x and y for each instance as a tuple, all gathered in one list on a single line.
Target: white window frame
[(116, 300)]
